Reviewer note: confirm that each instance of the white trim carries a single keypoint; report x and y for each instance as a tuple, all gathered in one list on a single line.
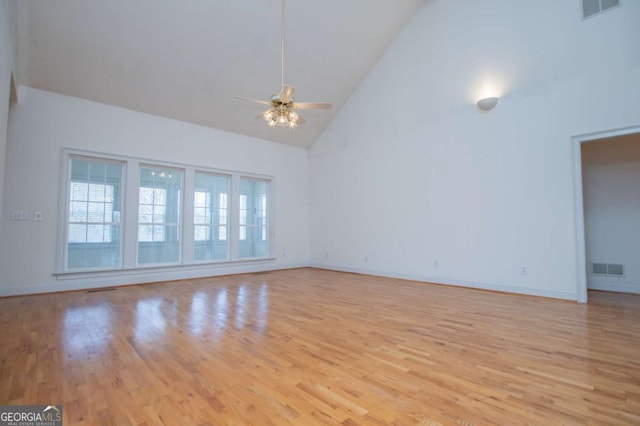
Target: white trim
[(580, 239), (129, 222), (145, 276), (581, 255), (187, 226), (156, 268), (162, 163), (530, 291), (619, 287), (233, 207), (85, 281), (64, 171)]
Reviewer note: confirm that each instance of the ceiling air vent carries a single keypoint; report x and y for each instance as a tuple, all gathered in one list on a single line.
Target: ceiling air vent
[(593, 7), (614, 269)]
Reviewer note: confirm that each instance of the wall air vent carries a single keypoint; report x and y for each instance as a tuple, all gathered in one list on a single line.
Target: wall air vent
[(594, 7), (613, 269)]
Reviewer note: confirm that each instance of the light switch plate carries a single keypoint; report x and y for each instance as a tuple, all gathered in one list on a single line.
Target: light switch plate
[(19, 215)]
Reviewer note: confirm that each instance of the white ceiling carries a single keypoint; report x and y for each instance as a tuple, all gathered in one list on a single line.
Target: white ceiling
[(186, 59)]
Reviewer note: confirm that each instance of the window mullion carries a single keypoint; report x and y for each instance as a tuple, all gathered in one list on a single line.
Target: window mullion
[(233, 214), (129, 215), (187, 216)]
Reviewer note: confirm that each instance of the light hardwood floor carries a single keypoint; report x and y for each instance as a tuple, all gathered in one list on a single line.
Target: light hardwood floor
[(308, 347)]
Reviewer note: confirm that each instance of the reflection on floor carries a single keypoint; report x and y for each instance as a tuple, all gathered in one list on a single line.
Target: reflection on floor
[(308, 346)]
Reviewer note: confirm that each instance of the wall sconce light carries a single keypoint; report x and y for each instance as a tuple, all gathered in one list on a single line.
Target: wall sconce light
[(487, 104)]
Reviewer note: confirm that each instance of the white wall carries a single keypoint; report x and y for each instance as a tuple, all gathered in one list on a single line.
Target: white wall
[(7, 66), (42, 123), (611, 184), (410, 172)]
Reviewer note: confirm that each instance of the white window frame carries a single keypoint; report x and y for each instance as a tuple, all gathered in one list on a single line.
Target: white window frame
[(64, 210), (215, 233), (269, 222), (129, 193), (165, 223)]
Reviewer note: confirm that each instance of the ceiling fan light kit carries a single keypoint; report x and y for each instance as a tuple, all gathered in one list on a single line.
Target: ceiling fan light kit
[(281, 112), (281, 116)]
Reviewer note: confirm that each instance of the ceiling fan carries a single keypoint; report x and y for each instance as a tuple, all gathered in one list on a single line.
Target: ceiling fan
[(282, 106)]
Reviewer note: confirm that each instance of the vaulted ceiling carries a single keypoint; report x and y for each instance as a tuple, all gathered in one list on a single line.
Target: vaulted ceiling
[(187, 59)]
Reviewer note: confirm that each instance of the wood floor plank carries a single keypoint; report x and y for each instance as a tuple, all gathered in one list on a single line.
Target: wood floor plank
[(309, 347)]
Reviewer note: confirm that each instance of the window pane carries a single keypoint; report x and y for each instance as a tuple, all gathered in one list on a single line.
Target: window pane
[(160, 195), (97, 192), (96, 212), (159, 233), (77, 233), (95, 233), (159, 215), (146, 196), (201, 233), (79, 191), (199, 216), (145, 233), (200, 199), (93, 237), (78, 211), (253, 231)]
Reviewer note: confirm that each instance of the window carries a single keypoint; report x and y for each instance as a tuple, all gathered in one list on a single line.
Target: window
[(152, 209), (243, 217), (262, 216), (222, 216), (91, 206), (202, 213), (158, 215), (121, 213), (93, 218), (210, 217), (253, 220)]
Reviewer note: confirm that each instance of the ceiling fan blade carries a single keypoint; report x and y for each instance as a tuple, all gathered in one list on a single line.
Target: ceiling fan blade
[(312, 105), (253, 100), (301, 120), (286, 94)]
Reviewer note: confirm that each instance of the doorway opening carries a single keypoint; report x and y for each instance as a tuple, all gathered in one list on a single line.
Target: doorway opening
[(606, 182)]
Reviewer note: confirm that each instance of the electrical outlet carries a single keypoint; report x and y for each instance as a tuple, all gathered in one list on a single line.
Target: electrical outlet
[(366, 258), (523, 270), (37, 216), (435, 263)]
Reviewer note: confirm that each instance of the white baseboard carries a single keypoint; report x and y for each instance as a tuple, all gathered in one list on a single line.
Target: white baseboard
[(618, 287), (84, 283), (139, 277), (530, 291)]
